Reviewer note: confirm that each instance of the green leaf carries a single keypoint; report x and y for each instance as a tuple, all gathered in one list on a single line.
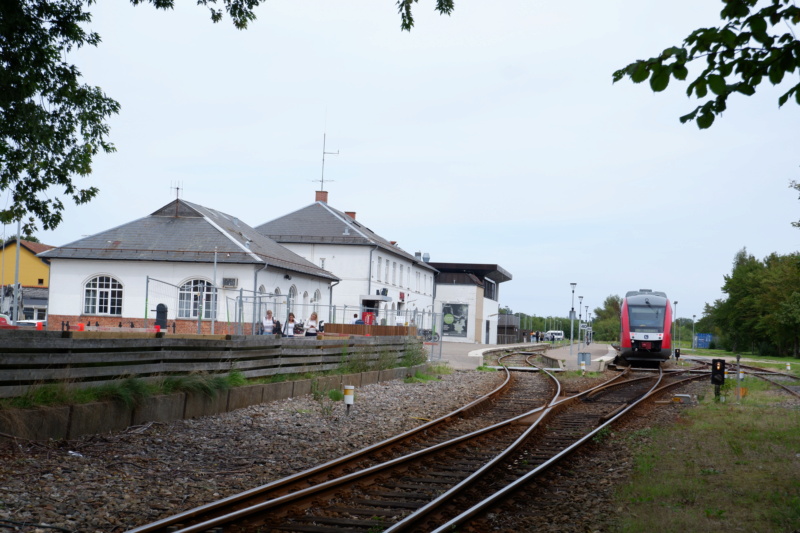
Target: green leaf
[(705, 120), (686, 118), (640, 72), (717, 84), (775, 74), (757, 24), (660, 79), (702, 88), (745, 89), (680, 72)]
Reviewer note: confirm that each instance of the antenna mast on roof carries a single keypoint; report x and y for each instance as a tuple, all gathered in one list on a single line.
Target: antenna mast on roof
[(178, 185), (324, 153)]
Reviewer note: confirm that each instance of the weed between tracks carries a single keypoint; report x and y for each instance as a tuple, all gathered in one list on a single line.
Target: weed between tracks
[(727, 466)]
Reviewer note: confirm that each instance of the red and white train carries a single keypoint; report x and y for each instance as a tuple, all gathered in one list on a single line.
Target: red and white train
[(646, 327)]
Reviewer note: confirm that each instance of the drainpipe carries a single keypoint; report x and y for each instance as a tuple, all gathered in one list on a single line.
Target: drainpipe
[(330, 300), (369, 277), (255, 291)]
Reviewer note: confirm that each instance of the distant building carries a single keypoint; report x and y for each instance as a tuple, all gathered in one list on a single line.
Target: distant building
[(34, 274), (175, 257), (376, 274), (467, 295)]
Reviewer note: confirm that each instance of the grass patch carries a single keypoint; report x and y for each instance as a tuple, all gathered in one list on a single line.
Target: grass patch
[(440, 368), (576, 374), (130, 391), (484, 368), (420, 377), (729, 466), (415, 354)]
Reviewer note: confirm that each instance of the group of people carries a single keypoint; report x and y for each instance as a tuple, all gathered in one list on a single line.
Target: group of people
[(271, 326)]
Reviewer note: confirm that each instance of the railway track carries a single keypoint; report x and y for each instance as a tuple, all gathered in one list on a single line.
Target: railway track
[(438, 476), (518, 393)]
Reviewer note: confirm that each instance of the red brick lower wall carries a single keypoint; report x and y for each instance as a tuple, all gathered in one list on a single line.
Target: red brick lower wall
[(59, 323)]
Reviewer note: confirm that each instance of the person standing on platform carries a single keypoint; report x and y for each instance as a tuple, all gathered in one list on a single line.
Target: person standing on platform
[(288, 328), (269, 324), (311, 325)]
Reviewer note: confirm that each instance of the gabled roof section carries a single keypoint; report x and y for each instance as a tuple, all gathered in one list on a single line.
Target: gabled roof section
[(33, 247), (319, 223), (185, 232)]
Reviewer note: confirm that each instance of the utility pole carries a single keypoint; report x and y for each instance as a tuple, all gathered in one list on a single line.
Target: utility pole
[(571, 318)]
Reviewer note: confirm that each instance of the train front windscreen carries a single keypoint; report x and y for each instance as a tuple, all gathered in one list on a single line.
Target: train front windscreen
[(646, 318)]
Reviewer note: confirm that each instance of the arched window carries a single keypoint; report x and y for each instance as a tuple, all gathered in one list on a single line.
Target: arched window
[(102, 295), (196, 296), (292, 297), (317, 299)]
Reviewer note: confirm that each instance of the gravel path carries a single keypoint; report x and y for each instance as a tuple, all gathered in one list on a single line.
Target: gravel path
[(111, 483)]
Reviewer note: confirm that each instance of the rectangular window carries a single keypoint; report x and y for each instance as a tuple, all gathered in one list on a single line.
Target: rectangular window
[(394, 273), (386, 277), (401, 275), (322, 263), (380, 261)]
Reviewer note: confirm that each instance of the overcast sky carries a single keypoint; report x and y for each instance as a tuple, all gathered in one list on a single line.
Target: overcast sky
[(494, 135)]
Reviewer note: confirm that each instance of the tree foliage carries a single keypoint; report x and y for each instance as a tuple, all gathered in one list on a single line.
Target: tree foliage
[(762, 310), (752, 46), (445, 7), (606, 324)]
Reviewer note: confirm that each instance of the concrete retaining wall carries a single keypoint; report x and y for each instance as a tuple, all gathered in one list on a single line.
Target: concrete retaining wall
[(72, 421)]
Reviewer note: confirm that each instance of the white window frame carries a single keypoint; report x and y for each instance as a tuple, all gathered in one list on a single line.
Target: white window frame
[(102, 295), (189, 299)]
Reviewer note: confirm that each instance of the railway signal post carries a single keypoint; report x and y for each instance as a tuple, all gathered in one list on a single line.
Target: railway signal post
[(717, 375)]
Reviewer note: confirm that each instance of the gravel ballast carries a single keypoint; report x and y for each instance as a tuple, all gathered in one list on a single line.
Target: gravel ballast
[(114, 482), (111, 483)]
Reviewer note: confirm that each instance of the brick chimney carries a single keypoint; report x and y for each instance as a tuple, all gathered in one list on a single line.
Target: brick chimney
[(321, 196), (351, 214)]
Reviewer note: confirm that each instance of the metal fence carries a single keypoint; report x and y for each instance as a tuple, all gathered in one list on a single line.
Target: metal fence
[(241, 312)]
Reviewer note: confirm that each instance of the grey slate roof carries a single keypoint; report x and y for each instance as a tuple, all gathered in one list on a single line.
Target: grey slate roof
[(185, 232), (319, 223)]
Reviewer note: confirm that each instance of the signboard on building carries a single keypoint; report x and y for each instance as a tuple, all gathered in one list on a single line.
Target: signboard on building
[(454, 317)]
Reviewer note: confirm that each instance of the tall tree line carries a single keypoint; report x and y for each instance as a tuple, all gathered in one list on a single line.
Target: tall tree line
[(762, 310)]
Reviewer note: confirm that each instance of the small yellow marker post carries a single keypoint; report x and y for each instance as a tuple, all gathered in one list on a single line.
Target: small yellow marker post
[(349, 396)]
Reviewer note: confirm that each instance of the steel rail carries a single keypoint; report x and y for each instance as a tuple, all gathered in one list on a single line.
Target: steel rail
[(330, 485), (411, 520), (508, 489), (161, 525)]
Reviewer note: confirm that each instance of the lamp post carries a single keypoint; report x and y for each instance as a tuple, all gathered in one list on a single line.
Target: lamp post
[(571, 318), (580, 320), (675, 321), (693, 341)]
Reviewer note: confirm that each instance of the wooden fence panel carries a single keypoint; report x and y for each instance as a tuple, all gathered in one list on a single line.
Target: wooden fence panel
[(80, 359)]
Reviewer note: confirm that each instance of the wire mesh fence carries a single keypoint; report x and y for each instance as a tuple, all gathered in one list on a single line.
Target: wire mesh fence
[(200, 307)]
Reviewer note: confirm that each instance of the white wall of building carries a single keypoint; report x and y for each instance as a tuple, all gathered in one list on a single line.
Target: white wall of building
[(357, 267), (481, 310), (69, 277)]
